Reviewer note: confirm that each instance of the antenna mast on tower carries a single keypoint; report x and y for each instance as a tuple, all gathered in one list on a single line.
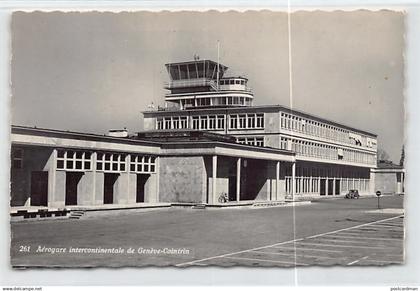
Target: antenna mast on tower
[(218, 64)]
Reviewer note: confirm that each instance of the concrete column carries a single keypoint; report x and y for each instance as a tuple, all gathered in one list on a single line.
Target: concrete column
[(293, 180), (52, 170), (85, 189), (372, 182), (238, 179), (59, 197), (99, 188), (319, 186), (157, 168), (326, 186), (214, 179), (277, 181), (301, 184), (311, 189)]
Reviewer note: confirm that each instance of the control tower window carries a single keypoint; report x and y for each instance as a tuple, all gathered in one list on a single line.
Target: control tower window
[(192, 71), (238, 82), (200, 68)]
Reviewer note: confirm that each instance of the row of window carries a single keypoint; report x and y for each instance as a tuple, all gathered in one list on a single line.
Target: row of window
[(319, 129), (313, 149), (232, 82), (107, 162), (329, 172), (212, 122), (305, 185), (249, 140), (207, 101), (174, 122), (246, 121)]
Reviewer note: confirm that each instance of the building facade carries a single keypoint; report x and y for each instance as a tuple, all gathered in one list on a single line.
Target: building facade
[(207, 143), (331, 158), (59, 169)]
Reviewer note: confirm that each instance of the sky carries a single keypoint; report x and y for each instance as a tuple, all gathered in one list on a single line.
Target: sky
[(96, 71)]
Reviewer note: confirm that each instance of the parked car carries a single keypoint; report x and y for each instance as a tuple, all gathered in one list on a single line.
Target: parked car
[(353, 194)]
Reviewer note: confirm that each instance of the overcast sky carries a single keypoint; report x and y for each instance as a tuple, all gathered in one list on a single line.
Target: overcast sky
[(95, 71)]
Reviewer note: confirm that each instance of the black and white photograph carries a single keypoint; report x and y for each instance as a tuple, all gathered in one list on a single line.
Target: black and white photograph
[(194, 139)]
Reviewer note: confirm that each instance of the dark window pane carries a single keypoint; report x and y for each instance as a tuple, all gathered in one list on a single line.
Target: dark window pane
[(60, 164), (70, 154), (107, 157), (139, 168), (60, 154), (115, 167), (115, 157), (79, 155), (133, 167), (99, 166), (99, 156), (79, 165), (69, 165), (87, 165), (146, 168), (122, 167), (107, 166), (152, 168), (87, 155), (133, 158)]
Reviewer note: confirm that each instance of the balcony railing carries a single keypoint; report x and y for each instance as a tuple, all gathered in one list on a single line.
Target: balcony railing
[(191, 83)]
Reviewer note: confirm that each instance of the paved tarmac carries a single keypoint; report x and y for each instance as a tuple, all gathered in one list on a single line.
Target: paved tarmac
[(326, 232)]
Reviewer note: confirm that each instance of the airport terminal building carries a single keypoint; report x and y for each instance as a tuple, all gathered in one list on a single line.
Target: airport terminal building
[(208, 141)]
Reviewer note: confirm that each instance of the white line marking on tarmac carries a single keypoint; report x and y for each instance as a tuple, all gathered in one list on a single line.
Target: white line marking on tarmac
[(286, 242), (280, 254), (341, 240), (307, 249), (385, 262), (385, 226), (262, 260), (365, 237), (356, 261), (343, 246)]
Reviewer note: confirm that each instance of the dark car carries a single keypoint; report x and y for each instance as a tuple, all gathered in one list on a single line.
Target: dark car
[(353, 194)]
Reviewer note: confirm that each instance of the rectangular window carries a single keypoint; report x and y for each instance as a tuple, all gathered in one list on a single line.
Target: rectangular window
[(233, 121), (251, 121), (212, 122), (220, 122), (195, 122), (260, 121), (242, 121), (183, 122), (17, 158), (167, 123), (143, 164), (203, 122)]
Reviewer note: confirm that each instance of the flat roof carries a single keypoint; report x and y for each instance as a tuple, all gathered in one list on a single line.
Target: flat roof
[(261, 107), (199, 145), (196, 62)]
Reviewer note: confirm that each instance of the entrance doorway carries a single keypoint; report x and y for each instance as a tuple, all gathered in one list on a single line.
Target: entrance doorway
[(337, 187), (39, 188), (109, 185), (330, 186), (141, 187), (72, 181), (232, 188), (322, 187)]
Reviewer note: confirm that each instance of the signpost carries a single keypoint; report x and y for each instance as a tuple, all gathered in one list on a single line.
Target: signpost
[(378, 193)]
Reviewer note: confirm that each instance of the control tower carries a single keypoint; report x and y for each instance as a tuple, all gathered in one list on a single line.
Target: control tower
[(202, 83)]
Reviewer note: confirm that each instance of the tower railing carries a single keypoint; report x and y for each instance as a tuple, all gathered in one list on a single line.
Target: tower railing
[(199, 82)]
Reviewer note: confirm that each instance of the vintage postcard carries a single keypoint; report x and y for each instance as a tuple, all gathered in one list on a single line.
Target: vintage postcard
[(193, 139)]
